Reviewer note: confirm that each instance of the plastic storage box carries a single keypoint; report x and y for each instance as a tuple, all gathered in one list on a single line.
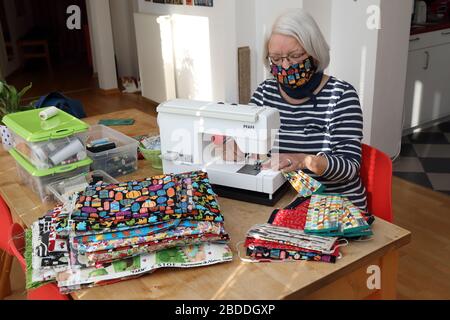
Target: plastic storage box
[(57, 141), (38, 180), (63, 189), (116, 162)]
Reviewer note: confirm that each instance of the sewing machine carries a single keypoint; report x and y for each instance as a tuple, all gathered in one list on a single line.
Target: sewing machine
[(188, 129)]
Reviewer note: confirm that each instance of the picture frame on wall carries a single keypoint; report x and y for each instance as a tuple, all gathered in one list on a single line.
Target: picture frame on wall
[(175, 2), (204, 3)]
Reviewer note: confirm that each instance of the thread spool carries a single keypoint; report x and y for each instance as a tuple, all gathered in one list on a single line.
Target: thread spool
[(70, 150), (48, 113)]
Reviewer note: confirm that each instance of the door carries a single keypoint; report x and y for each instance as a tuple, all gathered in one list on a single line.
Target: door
[(440, 83), (418, 93)]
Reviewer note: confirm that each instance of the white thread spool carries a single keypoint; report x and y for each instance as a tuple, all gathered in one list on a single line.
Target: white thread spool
[(70, 150), (48, 113)]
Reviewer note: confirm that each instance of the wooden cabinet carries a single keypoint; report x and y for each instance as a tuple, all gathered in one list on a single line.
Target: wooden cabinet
[(427, 95)]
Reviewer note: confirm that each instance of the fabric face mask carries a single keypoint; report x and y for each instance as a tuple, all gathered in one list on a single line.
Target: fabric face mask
[(296, 75)]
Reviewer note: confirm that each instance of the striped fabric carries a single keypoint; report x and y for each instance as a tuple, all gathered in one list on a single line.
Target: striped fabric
[(332, 128)]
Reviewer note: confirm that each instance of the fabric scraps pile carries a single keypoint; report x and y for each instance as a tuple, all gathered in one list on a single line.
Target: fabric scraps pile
[(108, 233), (311, 228)]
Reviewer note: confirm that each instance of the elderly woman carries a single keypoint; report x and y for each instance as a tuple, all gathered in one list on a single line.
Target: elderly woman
[(321, 117)]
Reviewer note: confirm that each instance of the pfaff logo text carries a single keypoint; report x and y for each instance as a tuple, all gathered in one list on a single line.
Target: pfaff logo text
[(249, 126)]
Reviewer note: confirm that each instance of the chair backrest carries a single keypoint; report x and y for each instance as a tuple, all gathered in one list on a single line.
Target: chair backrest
[(6, 222), (376, 175), (17, 243)]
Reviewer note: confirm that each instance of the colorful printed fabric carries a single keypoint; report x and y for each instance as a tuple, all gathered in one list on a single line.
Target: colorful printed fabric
[(101, 257), (204, 198), (262, 253), (80, 242), (335, 216), (146, 202), (303, 183), (352, 222), (179, 257), (185, 228), (136, 203), (292, 237), (51, 251), (323, 213)]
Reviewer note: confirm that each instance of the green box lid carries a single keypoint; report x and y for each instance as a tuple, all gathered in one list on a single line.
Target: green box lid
[(24, 163), (30, 127)]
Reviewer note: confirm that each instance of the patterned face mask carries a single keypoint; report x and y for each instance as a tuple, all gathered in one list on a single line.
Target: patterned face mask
[(296, 75)]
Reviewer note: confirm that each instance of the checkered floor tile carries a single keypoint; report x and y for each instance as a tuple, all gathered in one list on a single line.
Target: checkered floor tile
[(425, 158)]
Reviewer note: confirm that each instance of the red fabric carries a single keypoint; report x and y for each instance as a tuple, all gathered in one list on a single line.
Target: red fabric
[(376, 175), (292, 218), (5, 224)]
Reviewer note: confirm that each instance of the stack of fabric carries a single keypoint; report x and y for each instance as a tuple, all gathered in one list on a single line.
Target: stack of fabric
[(310, 228), (112, 232)]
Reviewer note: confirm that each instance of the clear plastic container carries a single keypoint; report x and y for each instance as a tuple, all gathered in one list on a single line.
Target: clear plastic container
[(116, 162), (62, 190), (38, 180), (52, 153), (60, 140)]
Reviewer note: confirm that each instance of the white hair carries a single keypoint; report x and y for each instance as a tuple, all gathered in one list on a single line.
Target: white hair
[(301, 25)]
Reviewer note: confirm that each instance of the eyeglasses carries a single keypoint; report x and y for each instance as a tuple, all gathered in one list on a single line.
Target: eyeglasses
[(292, 58)]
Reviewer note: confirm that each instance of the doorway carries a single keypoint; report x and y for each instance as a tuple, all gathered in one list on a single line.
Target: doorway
[(42, 50)]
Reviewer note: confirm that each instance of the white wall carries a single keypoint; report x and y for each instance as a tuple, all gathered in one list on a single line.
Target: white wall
[(354, 52), (390, 78), (320, 10), (266, 13), (222, 41), (374, 62), (124, 37), (232, 24), (101, 33)]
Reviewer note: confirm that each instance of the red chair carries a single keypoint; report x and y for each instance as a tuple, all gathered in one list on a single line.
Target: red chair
[(17, 244), (376, 175), (6, 256)]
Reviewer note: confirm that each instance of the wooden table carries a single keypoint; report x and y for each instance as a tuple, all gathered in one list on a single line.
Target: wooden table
[(346, 279)]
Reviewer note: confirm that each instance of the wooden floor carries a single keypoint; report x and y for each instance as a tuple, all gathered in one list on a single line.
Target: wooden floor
[(424, 269)]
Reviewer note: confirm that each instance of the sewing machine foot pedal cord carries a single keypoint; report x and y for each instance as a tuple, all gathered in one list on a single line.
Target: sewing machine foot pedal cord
[(251, 196)]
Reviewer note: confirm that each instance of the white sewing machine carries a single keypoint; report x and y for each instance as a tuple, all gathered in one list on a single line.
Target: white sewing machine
[(187, 129)]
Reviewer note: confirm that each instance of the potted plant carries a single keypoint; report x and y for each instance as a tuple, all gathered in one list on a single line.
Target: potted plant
[(10, 102)]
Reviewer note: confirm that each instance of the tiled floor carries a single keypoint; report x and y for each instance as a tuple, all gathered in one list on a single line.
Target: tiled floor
[(425, 158)]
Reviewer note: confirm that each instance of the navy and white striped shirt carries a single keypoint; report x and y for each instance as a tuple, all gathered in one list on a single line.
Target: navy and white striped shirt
[(333, 128)]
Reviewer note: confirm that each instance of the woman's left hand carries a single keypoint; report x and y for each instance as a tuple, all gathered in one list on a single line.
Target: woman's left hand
[(288, 162)]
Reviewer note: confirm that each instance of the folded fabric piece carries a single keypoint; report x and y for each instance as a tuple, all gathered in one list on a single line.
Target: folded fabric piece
[(264, 253), (126, 225), (35, 276), (303, 183), (293, 237), (179, 257), (138, 236), (352, 221), (84, 242), (100, 257), (336, 216), (46, 252), (291, 218), (146, 202)]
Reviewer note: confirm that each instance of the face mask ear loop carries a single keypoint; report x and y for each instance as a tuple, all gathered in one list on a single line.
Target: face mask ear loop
[(239, 254), (343, 244)]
